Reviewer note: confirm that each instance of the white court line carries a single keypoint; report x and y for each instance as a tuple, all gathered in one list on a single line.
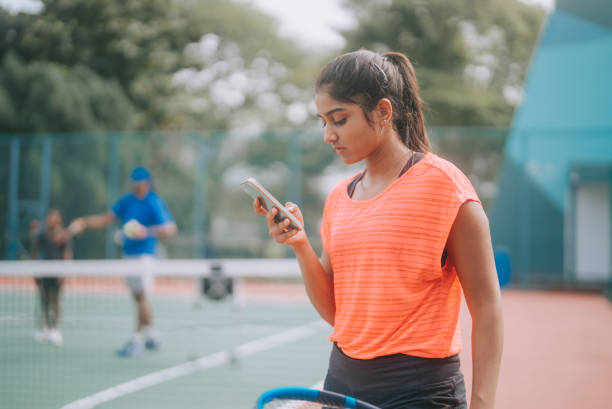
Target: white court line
[(205, 362)]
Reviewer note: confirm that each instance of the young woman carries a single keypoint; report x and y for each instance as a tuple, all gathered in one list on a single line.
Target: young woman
[(46, 246), (401, 240)]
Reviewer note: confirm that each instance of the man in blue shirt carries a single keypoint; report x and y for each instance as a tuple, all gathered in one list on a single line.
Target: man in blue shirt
[(144, 218)]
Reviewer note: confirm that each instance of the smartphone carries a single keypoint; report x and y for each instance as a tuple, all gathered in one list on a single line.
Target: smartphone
[(254, 189)]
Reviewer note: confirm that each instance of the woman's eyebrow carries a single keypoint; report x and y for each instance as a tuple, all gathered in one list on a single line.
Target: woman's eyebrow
[(331, 112)]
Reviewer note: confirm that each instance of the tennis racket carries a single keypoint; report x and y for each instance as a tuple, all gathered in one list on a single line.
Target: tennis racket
[(304, 398)]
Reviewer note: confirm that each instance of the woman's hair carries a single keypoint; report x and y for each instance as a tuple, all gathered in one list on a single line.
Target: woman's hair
[(364, 78)]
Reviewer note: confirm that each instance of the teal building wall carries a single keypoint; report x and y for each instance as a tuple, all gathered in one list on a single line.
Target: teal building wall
[(564, 122)]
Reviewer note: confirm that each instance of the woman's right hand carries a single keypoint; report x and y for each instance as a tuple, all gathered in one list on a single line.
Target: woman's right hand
[(281, 232)]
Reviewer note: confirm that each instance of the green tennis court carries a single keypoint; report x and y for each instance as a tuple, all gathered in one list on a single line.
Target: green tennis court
[(213, 354)]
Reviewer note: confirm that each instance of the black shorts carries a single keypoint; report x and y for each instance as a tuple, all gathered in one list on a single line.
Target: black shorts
[(49, 283), (398, 381)]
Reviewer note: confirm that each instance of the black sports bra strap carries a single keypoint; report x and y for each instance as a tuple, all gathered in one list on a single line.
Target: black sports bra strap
[(414, 158)]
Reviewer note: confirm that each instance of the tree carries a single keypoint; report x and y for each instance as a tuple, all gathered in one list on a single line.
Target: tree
[(140, 44), (469, 55), (48, 97)]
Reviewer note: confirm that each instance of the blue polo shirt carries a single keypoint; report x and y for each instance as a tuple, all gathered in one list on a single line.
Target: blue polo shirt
[(149, 211)]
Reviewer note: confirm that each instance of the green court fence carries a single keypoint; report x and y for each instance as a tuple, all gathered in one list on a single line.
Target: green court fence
[(536, 186)]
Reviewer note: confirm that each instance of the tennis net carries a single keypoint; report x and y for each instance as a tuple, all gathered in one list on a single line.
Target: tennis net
[(227, 330)]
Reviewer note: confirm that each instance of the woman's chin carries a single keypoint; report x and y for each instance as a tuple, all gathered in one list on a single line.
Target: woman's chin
[(348, 160)]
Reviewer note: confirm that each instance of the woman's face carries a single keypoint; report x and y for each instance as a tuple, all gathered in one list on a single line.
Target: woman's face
[(346, 128), (54, 219)]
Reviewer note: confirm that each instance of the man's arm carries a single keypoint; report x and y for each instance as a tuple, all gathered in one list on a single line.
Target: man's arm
[(167, 229), (164, 224), (96, 221)]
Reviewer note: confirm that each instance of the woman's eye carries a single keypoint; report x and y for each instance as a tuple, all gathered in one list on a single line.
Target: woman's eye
[(340, 122)]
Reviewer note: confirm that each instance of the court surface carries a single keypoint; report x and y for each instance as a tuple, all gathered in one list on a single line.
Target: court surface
[(218, 355), (213, 354), (557, 351)]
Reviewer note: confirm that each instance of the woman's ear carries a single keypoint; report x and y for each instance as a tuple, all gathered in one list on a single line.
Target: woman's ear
[(384, 110)]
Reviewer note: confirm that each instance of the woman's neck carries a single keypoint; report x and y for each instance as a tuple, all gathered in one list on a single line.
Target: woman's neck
[(387, 161), (382, 168)]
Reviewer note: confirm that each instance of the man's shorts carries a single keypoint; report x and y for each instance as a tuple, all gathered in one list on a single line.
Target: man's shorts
[(143, 282)]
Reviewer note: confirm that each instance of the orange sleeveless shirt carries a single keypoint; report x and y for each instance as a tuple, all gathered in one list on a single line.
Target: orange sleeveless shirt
[(392, 294)]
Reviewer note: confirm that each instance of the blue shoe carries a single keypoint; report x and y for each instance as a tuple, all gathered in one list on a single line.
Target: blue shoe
[(130, 349), (151, 344)]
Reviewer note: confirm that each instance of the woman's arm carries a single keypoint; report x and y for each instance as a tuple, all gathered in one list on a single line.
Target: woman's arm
[(317, 280), (470, 249), (317, 273)]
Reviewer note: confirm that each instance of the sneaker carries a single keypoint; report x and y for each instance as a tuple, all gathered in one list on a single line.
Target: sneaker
[(151, 344), (132, 348), (42, 335), (56, 338)]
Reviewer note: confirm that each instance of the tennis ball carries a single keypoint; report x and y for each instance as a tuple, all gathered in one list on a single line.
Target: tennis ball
[(132, 228)]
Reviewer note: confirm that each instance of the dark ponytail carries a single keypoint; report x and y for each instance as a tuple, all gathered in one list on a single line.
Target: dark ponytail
[(364, 78), (408, 115)]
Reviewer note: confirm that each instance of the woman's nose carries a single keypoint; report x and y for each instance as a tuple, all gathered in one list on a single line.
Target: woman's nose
[(330, 135)]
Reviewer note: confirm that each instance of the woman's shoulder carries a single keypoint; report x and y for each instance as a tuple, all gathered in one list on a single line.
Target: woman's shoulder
[(443, 169), (443, 175)]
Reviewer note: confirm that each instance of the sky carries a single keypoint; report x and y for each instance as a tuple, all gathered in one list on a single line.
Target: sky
[(314, 23), (19, 5)]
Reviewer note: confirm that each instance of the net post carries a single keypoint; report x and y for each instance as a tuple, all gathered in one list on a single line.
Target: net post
[(200, 199), (113, 188), (294, 160), (45, 176), (13, 202)]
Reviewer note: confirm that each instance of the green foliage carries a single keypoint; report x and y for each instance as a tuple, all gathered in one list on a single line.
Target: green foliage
[(466, 52), (47, 97), (140, 44)]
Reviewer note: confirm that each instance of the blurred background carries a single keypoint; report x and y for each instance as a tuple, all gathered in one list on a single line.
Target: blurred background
[(518, 94)]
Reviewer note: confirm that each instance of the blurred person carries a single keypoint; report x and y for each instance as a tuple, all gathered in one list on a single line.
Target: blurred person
[(401, 240), (48, 245), (144, 218)]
